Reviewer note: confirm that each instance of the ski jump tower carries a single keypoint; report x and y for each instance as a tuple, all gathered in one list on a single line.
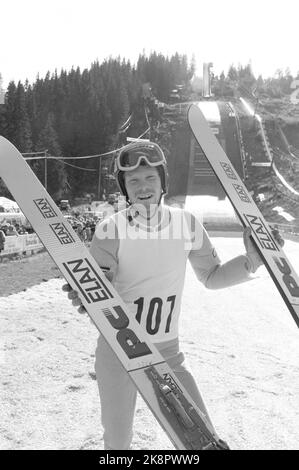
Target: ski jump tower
[(206, 80)]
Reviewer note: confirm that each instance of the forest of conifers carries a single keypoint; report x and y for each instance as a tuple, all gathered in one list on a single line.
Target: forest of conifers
[(78, 113)]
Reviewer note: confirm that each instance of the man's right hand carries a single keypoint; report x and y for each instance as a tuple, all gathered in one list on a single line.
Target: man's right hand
[(74, 297)]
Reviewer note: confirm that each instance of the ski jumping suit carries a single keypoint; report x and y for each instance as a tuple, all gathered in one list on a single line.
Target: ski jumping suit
[(148, 263)]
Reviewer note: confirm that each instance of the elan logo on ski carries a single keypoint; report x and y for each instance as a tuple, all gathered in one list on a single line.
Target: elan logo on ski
[(263, 235), (241, 193), (170, 380), (87, 280), (45, 208), (228, 170), (62, 233)]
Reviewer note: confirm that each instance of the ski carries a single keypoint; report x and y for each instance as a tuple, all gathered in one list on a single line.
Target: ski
[(276, 262), (186, 426)]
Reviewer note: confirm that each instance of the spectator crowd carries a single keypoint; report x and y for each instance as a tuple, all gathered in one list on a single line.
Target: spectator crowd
[(12, 228), (84, 225), (82, 219)]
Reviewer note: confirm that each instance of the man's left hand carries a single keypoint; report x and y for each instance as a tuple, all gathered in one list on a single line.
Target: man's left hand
[(251, 251)]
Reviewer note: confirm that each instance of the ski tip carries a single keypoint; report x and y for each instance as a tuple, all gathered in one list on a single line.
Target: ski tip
[(193, 110), (3, 140), (190, 110), (5, 144)]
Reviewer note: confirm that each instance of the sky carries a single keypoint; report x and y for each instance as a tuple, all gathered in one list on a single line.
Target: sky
[(37, 36)]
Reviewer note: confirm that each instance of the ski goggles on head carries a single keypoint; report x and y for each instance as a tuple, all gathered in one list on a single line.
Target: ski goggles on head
[(131, 156)]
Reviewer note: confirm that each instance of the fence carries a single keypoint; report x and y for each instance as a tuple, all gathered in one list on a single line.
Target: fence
[(17, 244)]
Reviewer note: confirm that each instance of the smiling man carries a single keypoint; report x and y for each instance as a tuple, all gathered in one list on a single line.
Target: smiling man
[(141, 173), (143, 186), (144, 250)]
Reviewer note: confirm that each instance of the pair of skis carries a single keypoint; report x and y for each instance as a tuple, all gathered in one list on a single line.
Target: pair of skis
[(182, 420)]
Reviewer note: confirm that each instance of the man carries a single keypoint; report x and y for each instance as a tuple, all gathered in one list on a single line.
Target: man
[(144, 250)]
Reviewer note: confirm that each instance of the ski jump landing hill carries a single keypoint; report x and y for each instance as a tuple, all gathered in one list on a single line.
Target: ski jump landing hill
[(280, 191), (243, 135)]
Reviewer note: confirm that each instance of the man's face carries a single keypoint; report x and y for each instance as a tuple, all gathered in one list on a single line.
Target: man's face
[(143, 186)]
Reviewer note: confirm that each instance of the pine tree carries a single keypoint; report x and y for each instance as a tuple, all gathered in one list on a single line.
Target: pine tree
[(22, 138), (56, 174), (10, 106), (17, 129), (2, 109), (2, 92), (246, 79), (232, 74)]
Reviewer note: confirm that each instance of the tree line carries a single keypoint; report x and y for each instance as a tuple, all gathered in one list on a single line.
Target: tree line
[(242, 78), (80, 112)]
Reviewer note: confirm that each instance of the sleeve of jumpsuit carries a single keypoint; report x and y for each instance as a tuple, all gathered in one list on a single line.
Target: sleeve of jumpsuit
[(208, 267)]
